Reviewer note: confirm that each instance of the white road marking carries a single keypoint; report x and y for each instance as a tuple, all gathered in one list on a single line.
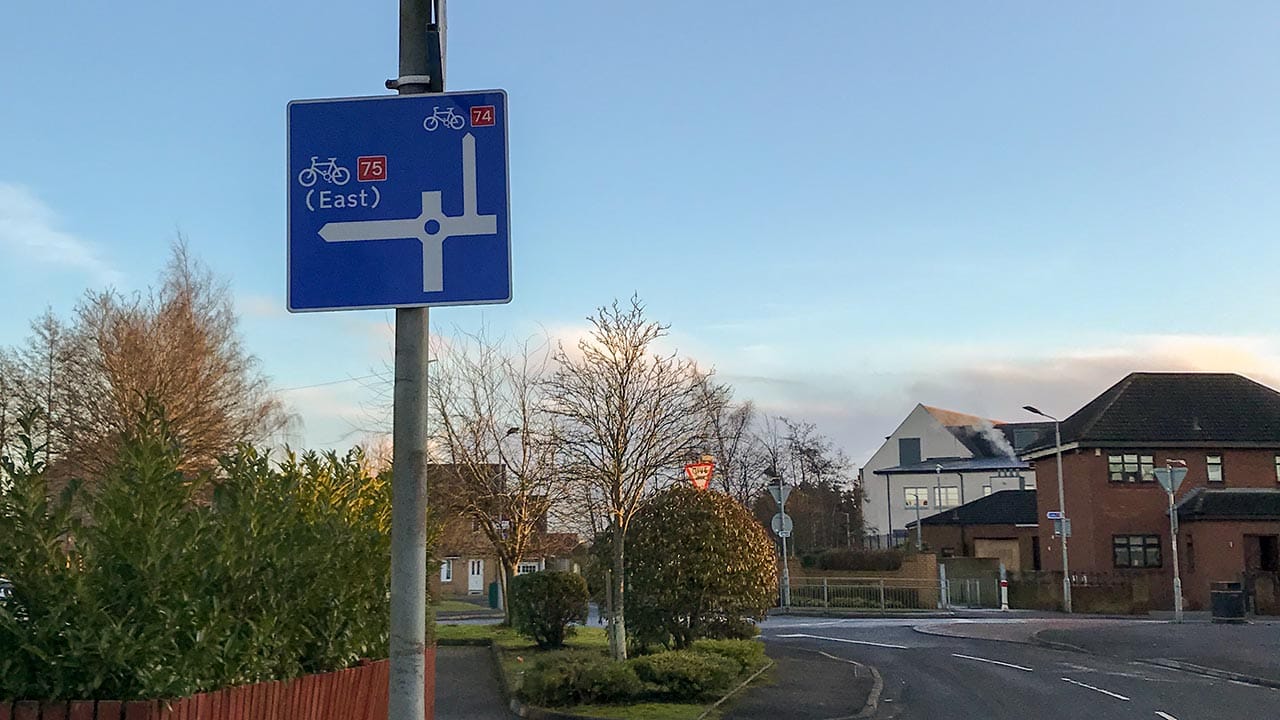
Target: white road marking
[(1166, 715), (993, 662), (1097, 689), (844, 640)]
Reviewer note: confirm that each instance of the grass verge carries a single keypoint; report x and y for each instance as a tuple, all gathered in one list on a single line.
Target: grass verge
[(516, 652), (460, 606)]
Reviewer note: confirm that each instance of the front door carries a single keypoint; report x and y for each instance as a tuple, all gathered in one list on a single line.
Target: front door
[(475, 577)]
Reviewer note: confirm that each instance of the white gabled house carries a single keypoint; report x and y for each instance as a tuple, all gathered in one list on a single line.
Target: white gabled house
[(937, 460)]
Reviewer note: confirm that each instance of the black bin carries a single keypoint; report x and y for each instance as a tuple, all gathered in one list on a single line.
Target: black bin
[(1227, 602)]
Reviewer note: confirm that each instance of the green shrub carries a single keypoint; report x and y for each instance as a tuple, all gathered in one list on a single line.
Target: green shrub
[(860, 560), (698, 565), (749, 654), (542, 605), (176, 584), (574, 677), (685, 675)]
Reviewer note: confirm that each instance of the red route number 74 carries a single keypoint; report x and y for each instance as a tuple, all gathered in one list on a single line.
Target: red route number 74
[(482, 116)]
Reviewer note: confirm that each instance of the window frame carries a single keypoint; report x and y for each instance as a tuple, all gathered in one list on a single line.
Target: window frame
[(1208, 466), (917, 495), (446, 570), (946, 491), (1143, 545), (1278, 468), (522, 565), (1138, 471)]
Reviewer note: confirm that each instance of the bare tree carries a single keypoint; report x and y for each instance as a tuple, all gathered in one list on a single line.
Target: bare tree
[(42, 381), (730, 437), (627, 415), (10, 409), (491, 423), (178, 347)]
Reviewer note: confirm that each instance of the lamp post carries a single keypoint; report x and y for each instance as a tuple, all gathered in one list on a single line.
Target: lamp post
[(1062, 506)]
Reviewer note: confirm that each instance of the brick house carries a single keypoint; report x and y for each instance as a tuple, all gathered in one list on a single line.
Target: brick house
[(1224, 426), (468, 562), (1001, 525)]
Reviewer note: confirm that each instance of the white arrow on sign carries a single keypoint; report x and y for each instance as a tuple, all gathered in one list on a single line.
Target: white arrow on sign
[(430, 228)]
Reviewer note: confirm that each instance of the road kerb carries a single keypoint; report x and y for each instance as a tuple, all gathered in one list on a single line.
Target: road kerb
[(877, 686), (1212, 672)]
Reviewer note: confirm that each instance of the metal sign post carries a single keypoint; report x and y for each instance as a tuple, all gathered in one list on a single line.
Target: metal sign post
[(402, 202), (1170, 477), (782, 526)]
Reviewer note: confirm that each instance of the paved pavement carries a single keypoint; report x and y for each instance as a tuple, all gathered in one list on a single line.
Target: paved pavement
[(1251, 650), (467, 685), (805, 684), (936, 676)]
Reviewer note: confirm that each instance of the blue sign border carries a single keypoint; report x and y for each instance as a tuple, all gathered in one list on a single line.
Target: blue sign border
[(289, 189)]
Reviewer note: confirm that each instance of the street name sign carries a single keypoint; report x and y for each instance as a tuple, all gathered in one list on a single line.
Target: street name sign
[(398, 201), (1053, 515)]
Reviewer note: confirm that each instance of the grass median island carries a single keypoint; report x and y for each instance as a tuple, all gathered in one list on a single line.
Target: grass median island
[(460, 606), (582, 679)]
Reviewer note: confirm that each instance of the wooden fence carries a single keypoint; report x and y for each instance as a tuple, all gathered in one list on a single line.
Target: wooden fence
[(358, 693)]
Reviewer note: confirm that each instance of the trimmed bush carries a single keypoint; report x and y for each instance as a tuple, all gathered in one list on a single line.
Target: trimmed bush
[(542, 605), (685, 675), (860, 560), (698, 565), (152, 583), (575, 677), (749, 654)]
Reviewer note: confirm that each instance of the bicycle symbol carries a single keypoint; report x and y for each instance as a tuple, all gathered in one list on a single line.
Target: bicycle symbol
[(447, 116), (330, 170)]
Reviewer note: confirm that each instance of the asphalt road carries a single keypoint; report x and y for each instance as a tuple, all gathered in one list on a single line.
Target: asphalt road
[(928, 676)]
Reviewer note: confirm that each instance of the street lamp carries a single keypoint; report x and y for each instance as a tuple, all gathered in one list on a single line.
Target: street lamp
[(1062, 506)]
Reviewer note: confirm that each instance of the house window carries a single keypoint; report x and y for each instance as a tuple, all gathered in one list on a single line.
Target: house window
[(1131, 468), (1136, 551), (446, 570), (1278, 468), (986, 490), (916, 496), (526, 567), (475, 526), (948, 496), (908, 451), (1213, 467)]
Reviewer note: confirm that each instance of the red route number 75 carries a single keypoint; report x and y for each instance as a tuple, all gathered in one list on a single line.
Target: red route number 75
[(371, 168)]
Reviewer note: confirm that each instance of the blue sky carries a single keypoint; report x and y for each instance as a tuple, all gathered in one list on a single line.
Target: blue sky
[(845, 207)]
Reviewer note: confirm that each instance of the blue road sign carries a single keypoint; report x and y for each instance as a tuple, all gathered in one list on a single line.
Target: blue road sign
[(398, 201)]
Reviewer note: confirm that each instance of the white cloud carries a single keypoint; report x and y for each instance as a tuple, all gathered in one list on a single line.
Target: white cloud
[(260, 306), (29, 228), (858, 408)]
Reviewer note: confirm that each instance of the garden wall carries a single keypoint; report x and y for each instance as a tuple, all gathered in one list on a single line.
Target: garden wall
[(358, 693)]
